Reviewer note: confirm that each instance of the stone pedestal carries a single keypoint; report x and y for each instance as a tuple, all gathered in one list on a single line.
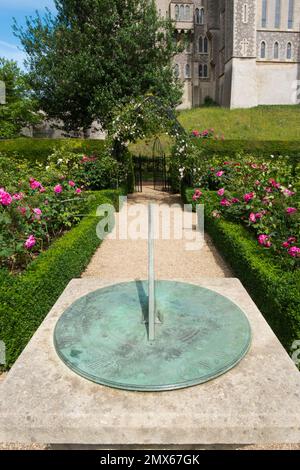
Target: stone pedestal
[(41, 400)]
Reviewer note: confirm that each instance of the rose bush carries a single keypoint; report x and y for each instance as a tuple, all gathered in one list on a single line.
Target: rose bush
[(32, 214), (263, 198)]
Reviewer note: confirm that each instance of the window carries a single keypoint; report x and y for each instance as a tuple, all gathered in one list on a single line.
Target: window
[(181, 14), (203, 71), (203, 45), (197, 16), (289, 50), (263, 50), (176, 12), (245, 13), (276, 50), (264, 14), (291, 14), (201, 16), (277, 13), (187, 13), (176, 71), (187, 71)]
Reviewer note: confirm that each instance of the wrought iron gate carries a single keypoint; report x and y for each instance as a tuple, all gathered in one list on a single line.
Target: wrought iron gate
[(152, 171)]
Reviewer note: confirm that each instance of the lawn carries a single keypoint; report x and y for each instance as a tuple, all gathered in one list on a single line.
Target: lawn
[(261, 123), (264, 123)]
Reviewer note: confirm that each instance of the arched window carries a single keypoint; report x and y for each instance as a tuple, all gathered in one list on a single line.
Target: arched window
[(277, 13), (201, 16), (187, 71), (201, 44), (205, 45), (245, 13), (264, 14), (187, 12), (289, 50), (200, 68), (291, 14), (176, 12), (181, 14), (205, 71), (197, 16), (176, 70), (276, 50), (263, 50)]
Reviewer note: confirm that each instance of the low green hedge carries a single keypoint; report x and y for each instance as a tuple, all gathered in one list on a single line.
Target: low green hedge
[(40, 149), (275, 291), (255, 148), (26, 299)]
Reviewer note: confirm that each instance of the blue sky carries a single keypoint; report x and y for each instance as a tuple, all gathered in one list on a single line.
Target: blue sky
[(9, 44)]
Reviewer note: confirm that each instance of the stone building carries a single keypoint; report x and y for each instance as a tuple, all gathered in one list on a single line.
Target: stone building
[(239, 53)]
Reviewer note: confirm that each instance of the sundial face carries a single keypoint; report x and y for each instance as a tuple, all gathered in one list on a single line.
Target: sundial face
[(103, 337)]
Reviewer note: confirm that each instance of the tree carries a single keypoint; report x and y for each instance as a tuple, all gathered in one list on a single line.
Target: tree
[(95, 54), (18, 110)]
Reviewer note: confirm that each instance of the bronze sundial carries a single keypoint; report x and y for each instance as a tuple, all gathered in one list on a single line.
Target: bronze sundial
[(152, 335)]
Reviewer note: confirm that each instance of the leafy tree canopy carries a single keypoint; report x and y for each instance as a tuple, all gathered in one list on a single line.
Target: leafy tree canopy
[(95, 54), (17, 108)]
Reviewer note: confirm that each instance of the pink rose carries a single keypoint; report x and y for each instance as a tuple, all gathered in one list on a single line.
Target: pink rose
[(252, 217), (78, 191), (292, 240), (274, 184), (221, 192), (196, 133), (42, 189), (294, 251), (22, 210), (37, 212), (220, 173), (259, 215), (285, 245), (34, 184), (5, 198), (257, 183), (248, 197), (264, 240), (18, 197), (225, 203), (72, 184), (288, 193), (58, 189), (197, 195), (235, 200), (291, 210), (30, 242)]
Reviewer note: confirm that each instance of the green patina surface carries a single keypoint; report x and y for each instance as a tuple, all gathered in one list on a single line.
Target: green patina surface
[(103, 336)]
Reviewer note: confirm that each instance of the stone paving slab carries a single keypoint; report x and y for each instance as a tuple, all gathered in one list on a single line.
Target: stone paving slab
[(42, 401)]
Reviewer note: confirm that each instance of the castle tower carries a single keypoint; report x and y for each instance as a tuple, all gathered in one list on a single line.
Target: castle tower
[(240, 83)]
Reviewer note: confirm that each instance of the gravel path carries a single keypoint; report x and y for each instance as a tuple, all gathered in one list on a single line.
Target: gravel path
[(127, 259)]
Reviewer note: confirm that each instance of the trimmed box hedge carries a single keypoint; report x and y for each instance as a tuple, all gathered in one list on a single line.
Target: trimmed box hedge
[(26, 299), (40, 149), (275, 291)]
